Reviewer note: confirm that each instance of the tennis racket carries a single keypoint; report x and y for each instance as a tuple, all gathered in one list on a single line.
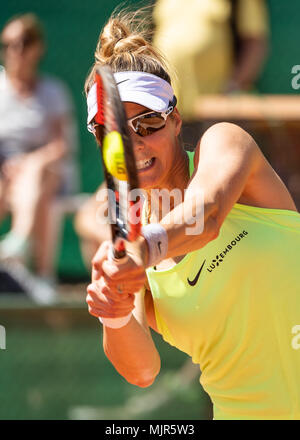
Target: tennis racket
[(113, 138)]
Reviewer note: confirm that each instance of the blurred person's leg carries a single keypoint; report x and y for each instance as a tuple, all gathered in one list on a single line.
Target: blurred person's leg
[(31, 196), (27, 192), (21, 192), (3, 201), (46, 222)]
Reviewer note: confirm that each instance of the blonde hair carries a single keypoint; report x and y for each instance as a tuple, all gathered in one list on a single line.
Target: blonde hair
[(125, 44)]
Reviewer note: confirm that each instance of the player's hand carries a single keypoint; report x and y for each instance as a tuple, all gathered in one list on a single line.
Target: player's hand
[(129, 277), (105, 303)]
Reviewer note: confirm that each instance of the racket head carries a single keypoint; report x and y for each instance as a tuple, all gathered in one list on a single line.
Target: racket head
[(124, 206)]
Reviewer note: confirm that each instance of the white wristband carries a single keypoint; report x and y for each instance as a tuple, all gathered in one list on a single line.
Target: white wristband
[(157, 240), (116, 322)]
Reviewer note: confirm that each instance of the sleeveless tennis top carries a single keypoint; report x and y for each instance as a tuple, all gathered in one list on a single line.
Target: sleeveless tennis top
[(234, 307)]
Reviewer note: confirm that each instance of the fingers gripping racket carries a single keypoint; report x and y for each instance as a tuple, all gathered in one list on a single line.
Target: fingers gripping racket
[(112, 134)]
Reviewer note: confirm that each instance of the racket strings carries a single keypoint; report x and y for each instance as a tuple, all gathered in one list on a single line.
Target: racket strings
[(123, 209)]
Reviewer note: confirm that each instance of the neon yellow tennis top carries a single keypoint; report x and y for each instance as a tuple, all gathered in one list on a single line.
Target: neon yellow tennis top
[(234, 307)]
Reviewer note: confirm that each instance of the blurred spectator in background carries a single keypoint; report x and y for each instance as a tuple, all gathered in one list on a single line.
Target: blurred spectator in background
[(214, 46), (37, 132)]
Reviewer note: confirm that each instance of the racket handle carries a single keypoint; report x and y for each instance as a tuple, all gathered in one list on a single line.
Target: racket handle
[(116, 322)]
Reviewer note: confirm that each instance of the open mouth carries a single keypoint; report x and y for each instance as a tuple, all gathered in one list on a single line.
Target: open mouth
[(142, 165)]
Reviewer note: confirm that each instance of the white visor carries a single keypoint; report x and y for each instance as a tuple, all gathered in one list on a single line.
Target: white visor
[(145, 89)]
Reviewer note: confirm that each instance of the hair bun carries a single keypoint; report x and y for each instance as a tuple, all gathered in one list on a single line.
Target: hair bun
[(124, 44), (132, 43), (113, 32)]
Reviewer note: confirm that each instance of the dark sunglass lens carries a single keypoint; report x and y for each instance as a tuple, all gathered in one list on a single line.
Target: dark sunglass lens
[(149, 124)]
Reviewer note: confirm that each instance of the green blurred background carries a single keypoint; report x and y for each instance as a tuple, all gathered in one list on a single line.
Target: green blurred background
[(54, 366)]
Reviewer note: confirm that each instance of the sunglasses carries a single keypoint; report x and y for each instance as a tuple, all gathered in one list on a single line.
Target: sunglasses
[(150, 122), (21, 44), (146, 123)]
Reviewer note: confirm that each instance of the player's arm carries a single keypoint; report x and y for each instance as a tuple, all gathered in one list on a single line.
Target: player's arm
[(130, 348), (226, 159)]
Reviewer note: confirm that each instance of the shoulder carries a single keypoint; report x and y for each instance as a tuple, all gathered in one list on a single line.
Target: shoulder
[(225, 137), (226, 160), (227, 130)]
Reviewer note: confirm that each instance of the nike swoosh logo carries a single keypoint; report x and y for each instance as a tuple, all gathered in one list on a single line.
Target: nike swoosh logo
[(122, 82), (195, 280)]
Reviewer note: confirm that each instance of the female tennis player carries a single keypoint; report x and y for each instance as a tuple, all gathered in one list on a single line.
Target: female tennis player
[(229, 295)]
